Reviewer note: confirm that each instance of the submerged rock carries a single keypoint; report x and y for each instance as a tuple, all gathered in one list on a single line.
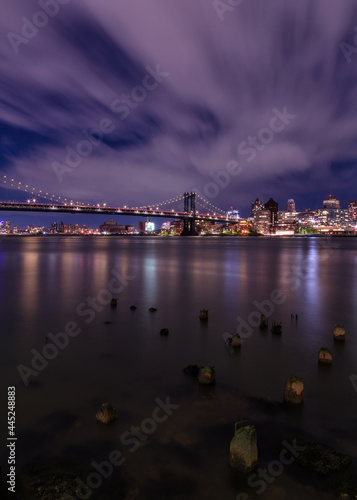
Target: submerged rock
[(348, 488), (207, 375), (321, 459), (263, 322), (243, 449), (50, 479), (107, 413), (339, 332), (235, 341), (325, 356), (191, 370), (294, 390), (204, 314), (277, 328)]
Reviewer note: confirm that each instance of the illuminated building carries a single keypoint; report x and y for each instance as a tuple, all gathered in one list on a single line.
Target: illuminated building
[(331, 203), (290, 207), (286, 221), (272, 206), (233, 214), (333, 217), (111, 227), (352, 210), (8, 227), (176, 226), (146, 226), (262, 221), (256, 205)]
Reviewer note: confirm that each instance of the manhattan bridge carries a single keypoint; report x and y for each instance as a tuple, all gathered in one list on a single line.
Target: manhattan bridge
[(189, 207)]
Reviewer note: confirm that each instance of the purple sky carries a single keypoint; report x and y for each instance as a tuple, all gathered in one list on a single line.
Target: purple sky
[(227, 74)]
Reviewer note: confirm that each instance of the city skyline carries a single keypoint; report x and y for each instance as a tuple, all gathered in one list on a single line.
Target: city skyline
[(330, 202), (215, 109)]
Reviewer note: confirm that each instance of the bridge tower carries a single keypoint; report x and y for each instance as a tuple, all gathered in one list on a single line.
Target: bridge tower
[(189, 228)]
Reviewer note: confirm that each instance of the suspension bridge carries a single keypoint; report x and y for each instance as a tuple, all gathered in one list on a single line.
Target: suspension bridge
[(189, 207)]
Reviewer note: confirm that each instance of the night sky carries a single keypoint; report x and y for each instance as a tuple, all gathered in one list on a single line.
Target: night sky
[(170, 94)]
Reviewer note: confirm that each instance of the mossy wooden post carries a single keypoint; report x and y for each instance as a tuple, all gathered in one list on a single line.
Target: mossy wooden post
[(325, 356), (106, 414), (204, 314), (277, 328), (243, 449), (339, 332), (263, 322), (207, 375), (236, 341), (294, 390)]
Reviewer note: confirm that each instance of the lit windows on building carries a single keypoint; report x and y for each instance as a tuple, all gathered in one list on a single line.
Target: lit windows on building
[(331, 203), (262, 221), (256, 205), (290, 207), (352, 210), (233, 214), (272, 206), (333, 217)]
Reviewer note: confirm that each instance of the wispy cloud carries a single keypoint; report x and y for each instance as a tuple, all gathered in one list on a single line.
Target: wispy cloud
[(225, 78)]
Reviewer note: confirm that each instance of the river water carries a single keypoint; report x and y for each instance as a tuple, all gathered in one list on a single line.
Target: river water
[(118, 356)]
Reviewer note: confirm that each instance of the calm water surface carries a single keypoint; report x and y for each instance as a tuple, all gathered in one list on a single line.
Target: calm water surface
[(127, 362)]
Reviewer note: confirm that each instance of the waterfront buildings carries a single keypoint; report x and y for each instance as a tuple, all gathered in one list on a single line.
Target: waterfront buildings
[(265, 219), (352, 211)]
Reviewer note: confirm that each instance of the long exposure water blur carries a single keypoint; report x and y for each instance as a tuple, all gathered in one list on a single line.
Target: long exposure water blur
[(118, 355)]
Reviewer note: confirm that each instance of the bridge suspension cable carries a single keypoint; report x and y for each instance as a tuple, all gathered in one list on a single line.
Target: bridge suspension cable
[(205, 203), (34, 193), (167, 202)]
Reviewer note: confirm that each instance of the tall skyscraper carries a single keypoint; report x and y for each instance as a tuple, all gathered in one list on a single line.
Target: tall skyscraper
[(352, 210), (290, 207), (272, 206), (256, 205)]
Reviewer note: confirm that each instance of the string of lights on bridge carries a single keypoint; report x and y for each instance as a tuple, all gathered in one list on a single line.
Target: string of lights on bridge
[(204, 204), (34, 194), (37, 193)]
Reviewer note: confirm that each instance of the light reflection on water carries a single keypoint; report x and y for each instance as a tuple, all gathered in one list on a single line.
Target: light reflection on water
[(127, 362)]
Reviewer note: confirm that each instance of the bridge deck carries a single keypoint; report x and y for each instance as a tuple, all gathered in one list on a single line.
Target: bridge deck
[(101, 210)]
